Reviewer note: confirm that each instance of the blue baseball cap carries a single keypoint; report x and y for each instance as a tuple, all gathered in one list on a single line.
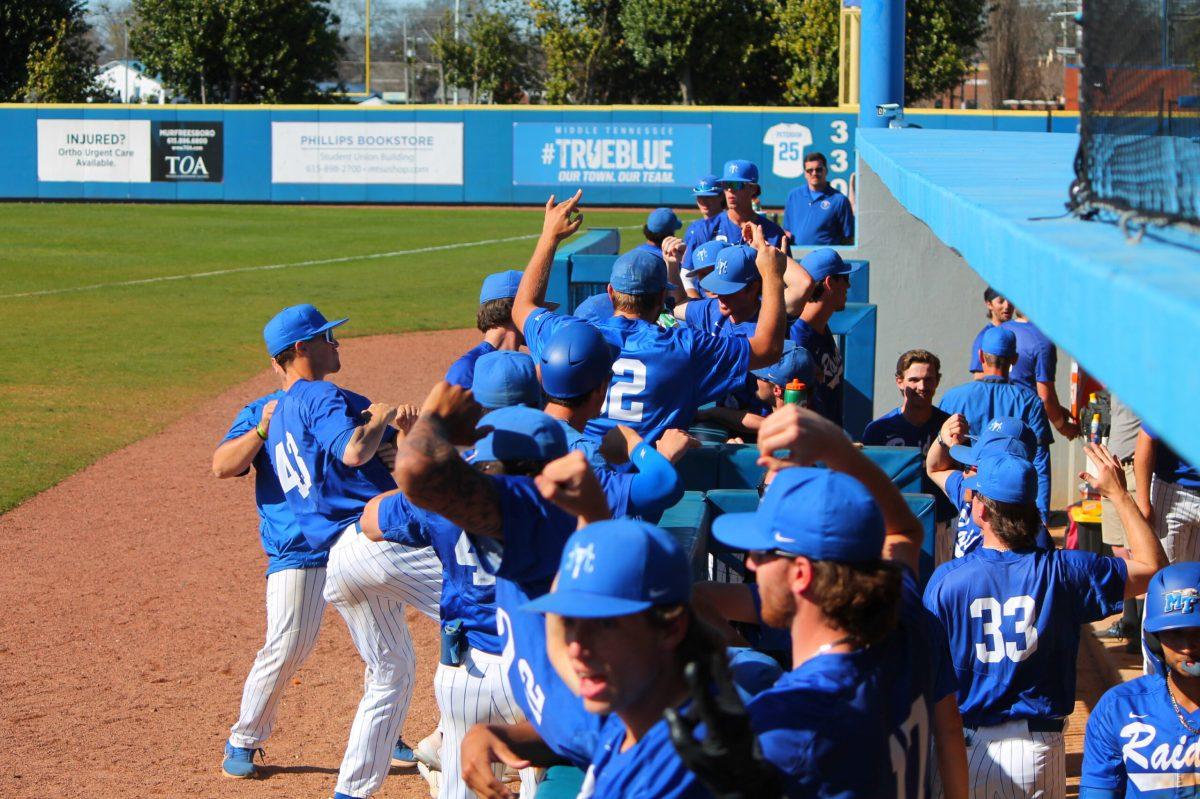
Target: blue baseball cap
[(519, 433), (505, 378), (705, 256), (296, 323), (795, 363), (1004, 478), (638, 272), (500, 286), (662, 221), (1002, 434), (617, 568), (575, 360), (734, 270), (738, 171), (706, 187), (596, 308), (817, 513), (999, 341), (824, 262)]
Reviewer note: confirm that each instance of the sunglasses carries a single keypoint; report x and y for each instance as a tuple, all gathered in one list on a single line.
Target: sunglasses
[(763, 555), (815, 170), (328, 335), (735, 185)]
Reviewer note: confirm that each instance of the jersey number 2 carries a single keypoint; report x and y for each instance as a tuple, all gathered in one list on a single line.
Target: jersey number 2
[(291, 475), (614, 404), (995, 648)]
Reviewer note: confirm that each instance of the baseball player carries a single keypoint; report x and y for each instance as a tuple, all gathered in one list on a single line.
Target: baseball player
[(1143, 736), (660, 224), (494, 321), (916, 424), (835, 554), (628, 632), (1169, 495), (818, 214), (831, 281), (994, 395), (739, 181), (710, 200), (1012, 613), (470, 685), (663, 375), (295, 581), (576, 365), (769, 384), (518, 537), (735, 288), (1002, 435), (323, 445)]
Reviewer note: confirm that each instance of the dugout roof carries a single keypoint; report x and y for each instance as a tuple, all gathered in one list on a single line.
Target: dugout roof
[(1129, 313)]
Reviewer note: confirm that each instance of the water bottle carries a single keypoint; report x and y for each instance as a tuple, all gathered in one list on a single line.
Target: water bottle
[(796, 393), (1085, 489)]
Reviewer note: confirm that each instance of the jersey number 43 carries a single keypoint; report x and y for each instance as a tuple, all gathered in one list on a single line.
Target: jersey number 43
[(290, 467)]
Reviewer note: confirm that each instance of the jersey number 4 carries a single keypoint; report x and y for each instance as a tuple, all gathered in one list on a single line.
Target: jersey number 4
[(614, 404), (995, 648), (291, 469), (464, 553)]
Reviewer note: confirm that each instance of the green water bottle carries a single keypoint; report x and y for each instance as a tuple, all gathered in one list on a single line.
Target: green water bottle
[(795, 393)]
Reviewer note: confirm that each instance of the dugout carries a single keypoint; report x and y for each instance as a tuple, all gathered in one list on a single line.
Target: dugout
[(950, 212)]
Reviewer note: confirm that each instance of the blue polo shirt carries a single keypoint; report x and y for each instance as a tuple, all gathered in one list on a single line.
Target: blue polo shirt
[(818, 217)]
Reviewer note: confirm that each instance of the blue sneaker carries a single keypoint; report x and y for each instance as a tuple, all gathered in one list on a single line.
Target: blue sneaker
[(239, 762), (339, 795), (403, 755)]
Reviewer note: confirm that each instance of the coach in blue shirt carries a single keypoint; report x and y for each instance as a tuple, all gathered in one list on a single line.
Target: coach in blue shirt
[(817, 213), (994, 395)]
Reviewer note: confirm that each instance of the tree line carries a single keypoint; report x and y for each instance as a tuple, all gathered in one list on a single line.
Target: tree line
[(578, 52)]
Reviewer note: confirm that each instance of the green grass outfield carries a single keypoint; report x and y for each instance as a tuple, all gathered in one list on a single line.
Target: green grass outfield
[(93, 365)]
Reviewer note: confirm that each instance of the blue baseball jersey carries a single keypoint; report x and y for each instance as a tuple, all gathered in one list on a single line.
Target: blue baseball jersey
[(981, 401), (650, 768), (893, 430), (832, 723), (706, 315), (281, 538), (1136, 747), (590, 447), (1169, 467), (818, 217), (662, 375), (729, 231), (967, 535), (826, 396), (1037, 357), (1013, 624), (650, 248), (462, 371), (699, 232), (468, 591), (309, 432), (524, 564)]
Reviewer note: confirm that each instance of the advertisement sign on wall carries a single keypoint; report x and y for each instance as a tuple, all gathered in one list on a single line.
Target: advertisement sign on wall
[(94, 150), (657, 154), (187, 151), (367, 152)]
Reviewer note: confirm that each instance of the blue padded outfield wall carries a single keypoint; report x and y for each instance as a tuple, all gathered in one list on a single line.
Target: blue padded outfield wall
[(424, 154)]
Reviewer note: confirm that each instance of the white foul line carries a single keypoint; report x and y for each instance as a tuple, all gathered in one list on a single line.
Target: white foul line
[(263, 268)]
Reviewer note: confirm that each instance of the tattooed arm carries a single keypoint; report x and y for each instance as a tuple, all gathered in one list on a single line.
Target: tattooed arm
[(434, 476)]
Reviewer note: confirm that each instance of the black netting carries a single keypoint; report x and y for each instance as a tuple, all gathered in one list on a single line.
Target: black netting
[(1140, 109)]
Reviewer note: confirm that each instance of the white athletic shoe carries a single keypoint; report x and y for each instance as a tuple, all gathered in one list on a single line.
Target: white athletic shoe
[(428, 751), (433, 777)]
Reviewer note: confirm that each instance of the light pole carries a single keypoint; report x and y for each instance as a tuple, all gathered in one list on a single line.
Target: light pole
[(456, 41), (125, 96), (367, 53)]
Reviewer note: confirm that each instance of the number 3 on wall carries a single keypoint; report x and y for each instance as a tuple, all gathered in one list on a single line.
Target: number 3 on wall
[(614, 404), (995, 648)]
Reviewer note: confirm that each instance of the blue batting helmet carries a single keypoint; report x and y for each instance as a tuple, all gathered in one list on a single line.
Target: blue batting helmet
[(1173, 598), (575, 360)]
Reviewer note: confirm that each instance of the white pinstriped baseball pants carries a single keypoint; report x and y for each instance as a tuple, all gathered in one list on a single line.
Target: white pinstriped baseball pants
[(1008, 761), (369, 583), (477, 692), (1176, 512), (295, 607)]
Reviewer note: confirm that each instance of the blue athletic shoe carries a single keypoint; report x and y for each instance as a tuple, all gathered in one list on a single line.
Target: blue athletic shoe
[(239, 762), (339, 795), (403, 755)]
